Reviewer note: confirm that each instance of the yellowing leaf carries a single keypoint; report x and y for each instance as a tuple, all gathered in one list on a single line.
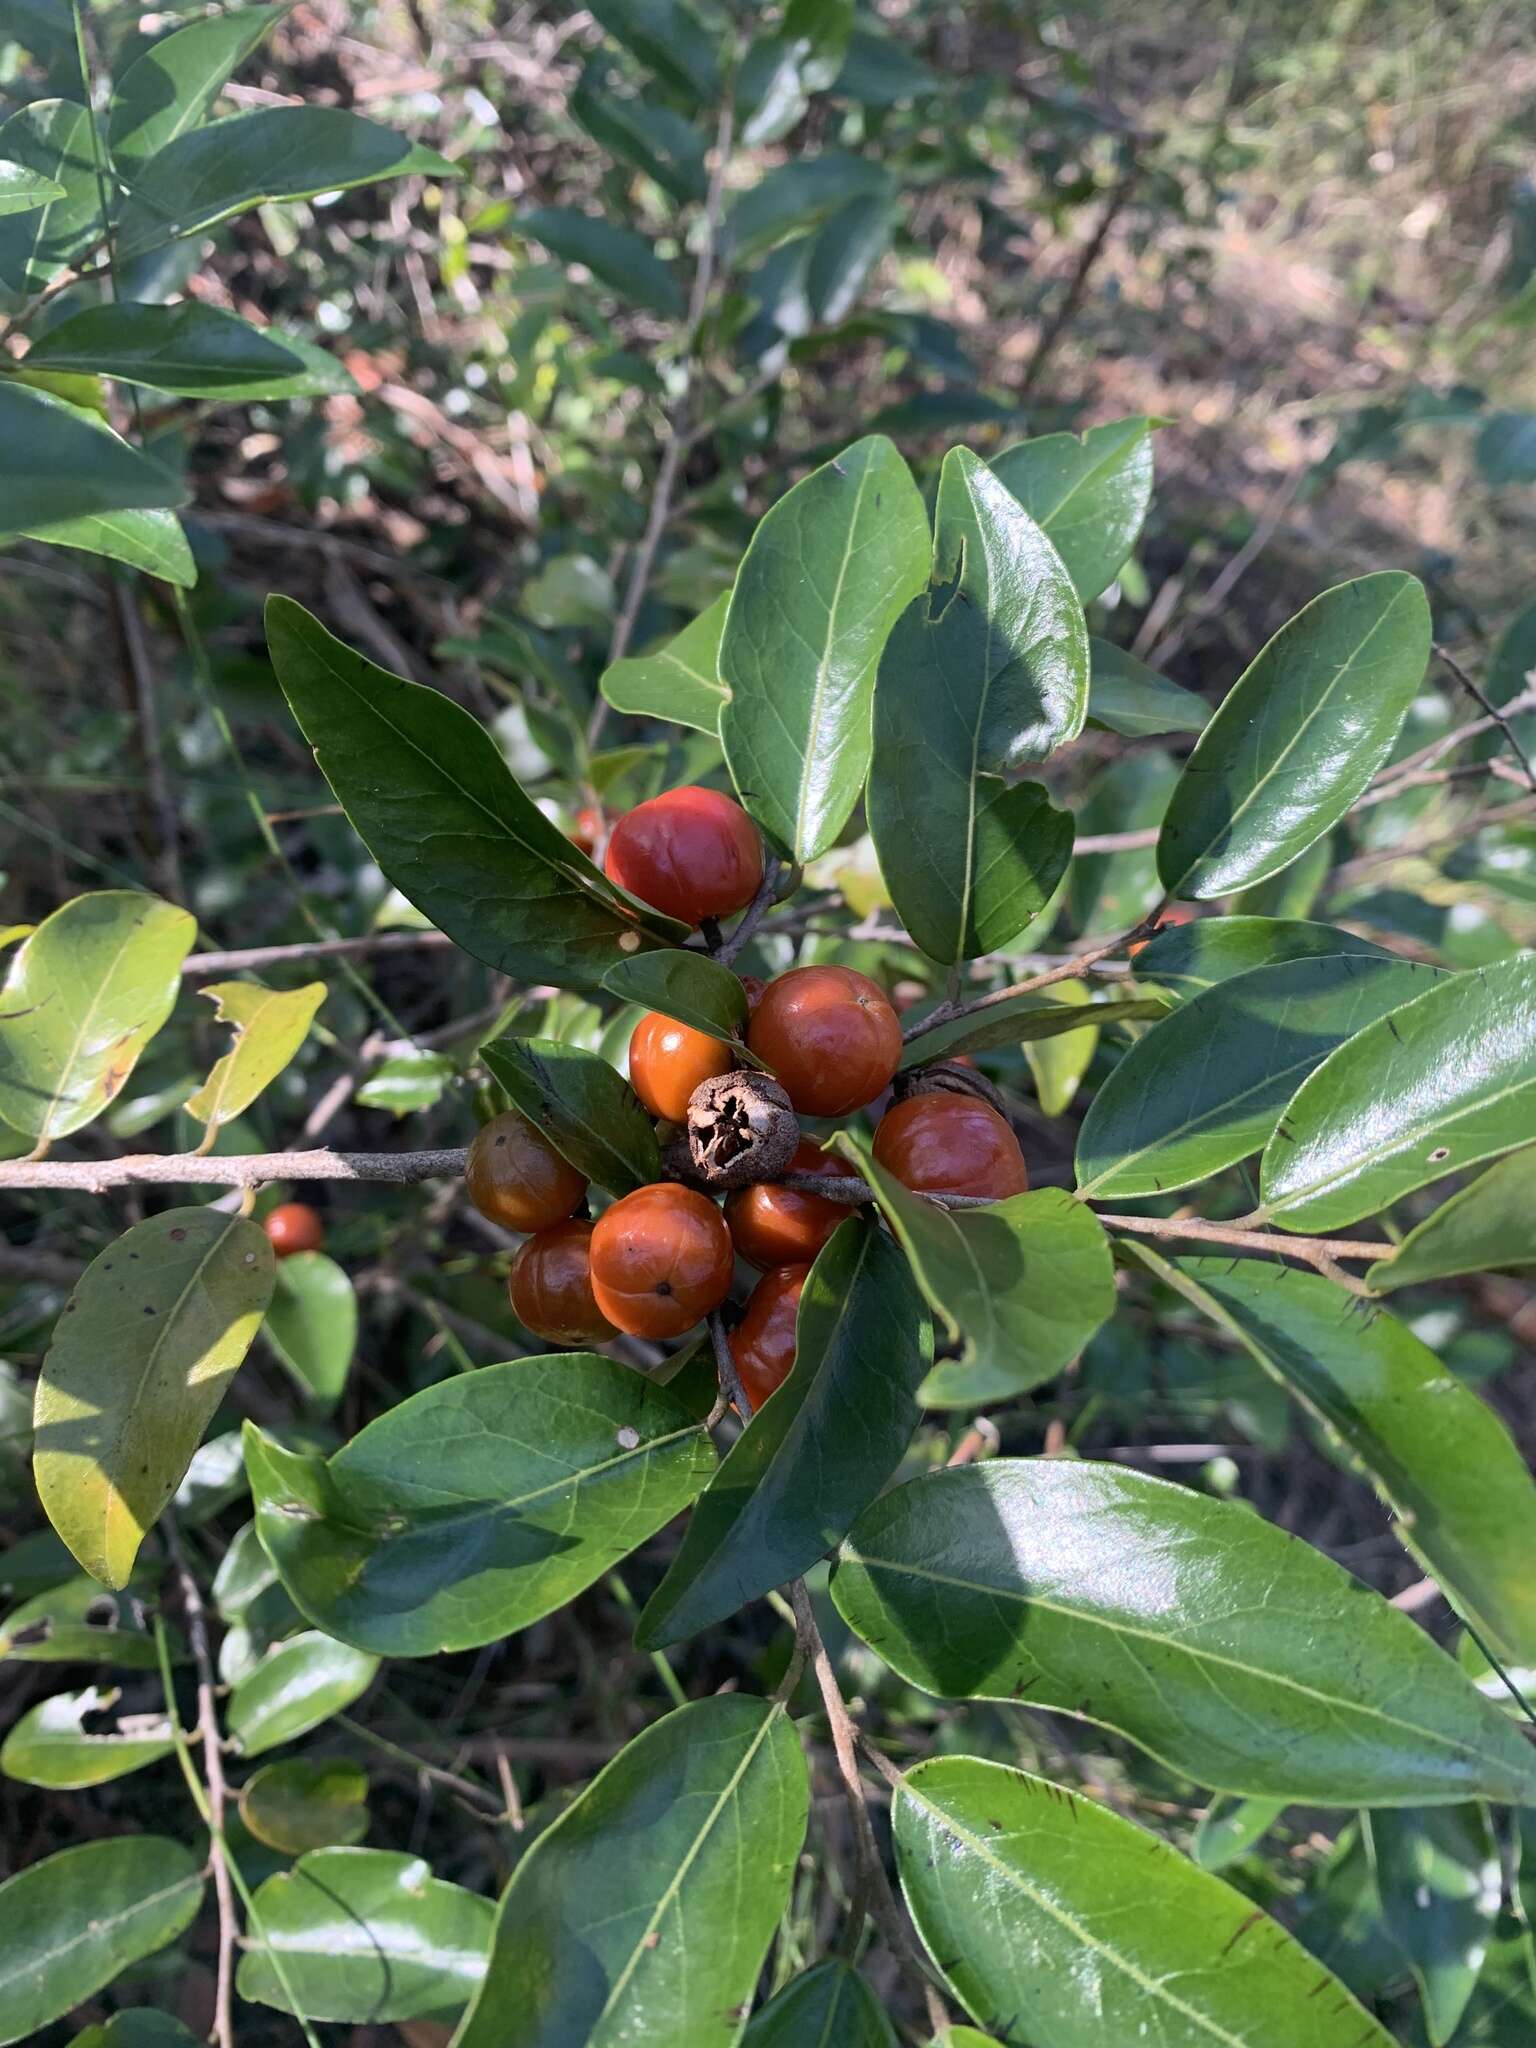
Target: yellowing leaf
[(270, 1026)]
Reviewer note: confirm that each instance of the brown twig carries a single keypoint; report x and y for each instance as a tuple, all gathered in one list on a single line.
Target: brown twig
[(248, 1170), (310, 949), (1489, 710), (141, 675), (725, 1365), (737, 941), (223, 2032), (1321, 1253), (1238, 567), (1077, 284), (948, 1013)]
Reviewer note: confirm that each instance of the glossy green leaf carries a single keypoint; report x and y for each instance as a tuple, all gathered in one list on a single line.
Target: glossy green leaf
[(1484, 1227), (173, 85), (1106, 892), (366, 1936), (1186, 958), (987, 670), (616, 257), (643, 133), (149, 1340), (73, 1922), (137, 2027), (1299, 736), (1440, 1458), (294, 1688), (1294, 890), (1022, 1284), (312, 1324), (584, 1106), (295, 1806), (77, 1622), (1445, 1081), (191, 350), (476, 1506), (680, 680), (50, 1745), (1229, 1828), (1441, 1881), (1088, 492), (686, 986), (60, 463), (819, 1450), (270, 1026), (23, 190), (1058, 1063), (50, 139), (1059, 1924), (85, 992), (666, 35), (829, 2007), (828, 570), (405, 1083), (494, 873), (1224, 1646), (1126, 696), (1208, 1085), (147, 539), (1023, 1020), (640, 1919)]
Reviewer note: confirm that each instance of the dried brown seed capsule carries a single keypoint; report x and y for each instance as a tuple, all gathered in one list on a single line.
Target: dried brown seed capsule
[(740, 1129)]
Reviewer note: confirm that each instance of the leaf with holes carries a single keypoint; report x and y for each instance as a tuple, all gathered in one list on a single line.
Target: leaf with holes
[(50, 1745), (270, 1026)]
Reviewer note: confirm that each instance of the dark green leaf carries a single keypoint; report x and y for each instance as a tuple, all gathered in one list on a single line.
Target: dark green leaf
[(1293, 891), (312, 1324), (1108, 891), (23, 190), (192, 350), (52, 140), (1088, 492), (1046, 1911), (1299, 736), (680, 681), (1126, 696), (1022, 1020), (173, 85), (1441, 1881), (1208, 1085), (1506, 447), (820, 31), (829, 2007), (1442, 1083), (643, 134), (616, 257), (476, 1506), (147, 539), (1484, 1227), (60, 463), (294, 1688), (800, 194), (667, 36), (686, 986), (641, 1918), (828, 570), (365, 1936), (155, 1329), (73, 1922), (137, 2027), (584, 1106), (1224, 1646), (1186, 958), (816, 1454), (492, 871), (51, 1746), (295, 1806)]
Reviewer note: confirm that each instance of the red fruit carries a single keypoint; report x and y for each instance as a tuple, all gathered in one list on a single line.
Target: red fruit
[(951, 1145), (763, 1342), (691, 853), (779, 1226), (668, 1060), (587, 829), (830, 1036), (293, 1227), (1176, 913), (661, 1259), (550, 1286), (517, 1178)]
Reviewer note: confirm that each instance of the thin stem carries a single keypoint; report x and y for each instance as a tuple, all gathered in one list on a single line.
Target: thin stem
[(948, 1013), (659, 1658), (737, 941), (485, 1802), (725, 1365), (247, 1170), (1322, 1253), (311, 949), (223, 2031), (1490, 710)]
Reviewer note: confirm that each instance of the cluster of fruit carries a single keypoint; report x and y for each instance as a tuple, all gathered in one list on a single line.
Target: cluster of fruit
[(658, 1260)]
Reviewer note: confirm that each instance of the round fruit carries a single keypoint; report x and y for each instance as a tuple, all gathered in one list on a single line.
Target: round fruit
[(517, 1178), (661, 1258), (691, 853), (668, 1060), (763, 1342), (1176, 913), (550, 1286), (951, 1145), (293, 1227), (830, 1036), (777, 1226)]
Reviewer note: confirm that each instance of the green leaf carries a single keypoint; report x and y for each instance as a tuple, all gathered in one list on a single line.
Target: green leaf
[(798, 1475), (1172, 1114), (407, 1082), (1438, 1085), (1437, 1455), (51, 1746), (667, 36), (172, 87), (295, 1806), (270, 1026), (278, 153), (985, 671), (1225, 1647), (1440, 1881), (1482, 1228), (1042, 1907), (800, 194), (640, 1919), (1126, 696), (1294, 890), (312, 1325), (190, 350), (826, 574), (73, 1922), (23, 190), (1186, 958), (1022, 1020), (616, 257), (149, 1340), (1229, 1828), (829, 2007), (1058, 1063), (679, 681), (584, 1106), (1022, 1284), (77, 1623), (1108, 891), (1299, 736), (137, 2027), (642, 133), (686, 986), (60, 463), (51, 140), (477, 1506), (294, 1688), (364, 1936), (1089, 493), (147, 539), (428, 792), (1506, 447)]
